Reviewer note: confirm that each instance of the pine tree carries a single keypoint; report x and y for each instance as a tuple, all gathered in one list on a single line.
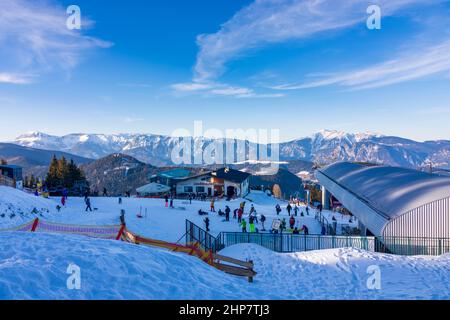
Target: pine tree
[(63, 174), (52, 179)]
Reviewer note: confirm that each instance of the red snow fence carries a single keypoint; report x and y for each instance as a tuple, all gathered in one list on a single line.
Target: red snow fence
[(113, 232)]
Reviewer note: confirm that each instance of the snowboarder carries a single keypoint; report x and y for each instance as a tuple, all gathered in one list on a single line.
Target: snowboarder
[(227, 213), (206, 224), (88, 204), (263, 220), (292, 222), (244, 226)]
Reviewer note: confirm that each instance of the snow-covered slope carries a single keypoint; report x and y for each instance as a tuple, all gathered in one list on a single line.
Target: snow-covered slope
[(18, 207), (323, 147), (342, 274), (34, 266)]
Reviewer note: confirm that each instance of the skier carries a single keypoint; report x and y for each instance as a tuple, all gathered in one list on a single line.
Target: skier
[(171, 202), (227, 213), (263, 219), (278, 209), (63, 201), (240, 213), (206, 224), (120, 200), (190, 198), (166, 199), (88, 204), (307, 210), (296, 210), (105, 192), (65, 193), (252, 209), (252, 224), (324, 231), (213, 209), (289, 208), (244, 226), (235, 213), (242, 207), (292, 222), (283, 224)]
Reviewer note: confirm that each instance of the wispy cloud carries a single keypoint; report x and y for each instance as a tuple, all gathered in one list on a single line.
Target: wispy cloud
[(34, 37), (410, 65), (13, 78), (266, 22), (220, 89)]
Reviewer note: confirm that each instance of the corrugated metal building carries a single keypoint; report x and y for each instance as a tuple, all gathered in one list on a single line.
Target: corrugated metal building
[(391, 202)]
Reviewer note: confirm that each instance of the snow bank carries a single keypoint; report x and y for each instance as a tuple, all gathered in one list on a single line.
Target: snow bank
[(261, 198), (34, 266), (18, 207), (342, 274)]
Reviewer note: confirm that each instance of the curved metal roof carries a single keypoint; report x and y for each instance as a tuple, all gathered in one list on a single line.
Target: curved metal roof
[(390, 190)]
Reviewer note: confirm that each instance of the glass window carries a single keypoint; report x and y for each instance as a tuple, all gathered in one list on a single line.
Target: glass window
[(200, 189), (188, 189)]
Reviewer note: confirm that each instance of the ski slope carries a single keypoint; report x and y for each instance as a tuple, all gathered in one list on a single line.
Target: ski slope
[(33, 266)]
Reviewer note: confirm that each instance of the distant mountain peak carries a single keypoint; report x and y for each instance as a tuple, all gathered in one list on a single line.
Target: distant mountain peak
[(323, 147)]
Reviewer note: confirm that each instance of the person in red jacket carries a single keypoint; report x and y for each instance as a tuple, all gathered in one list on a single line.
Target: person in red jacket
[(240, 213), (63, 201), (292, 222)]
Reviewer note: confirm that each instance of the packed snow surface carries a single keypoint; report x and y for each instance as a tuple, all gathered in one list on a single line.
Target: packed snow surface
[(33, 266), (343, 274)]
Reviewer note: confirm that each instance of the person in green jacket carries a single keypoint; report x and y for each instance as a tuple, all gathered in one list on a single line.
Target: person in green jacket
[(244, 226)]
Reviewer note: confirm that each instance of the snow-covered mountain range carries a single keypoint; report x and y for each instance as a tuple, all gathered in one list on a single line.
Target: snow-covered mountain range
[(323, 147)]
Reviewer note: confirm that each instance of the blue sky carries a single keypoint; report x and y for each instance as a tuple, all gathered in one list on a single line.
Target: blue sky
[(157, 66)]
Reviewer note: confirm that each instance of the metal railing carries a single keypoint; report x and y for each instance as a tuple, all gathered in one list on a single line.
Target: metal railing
[(413, 246), (287, 242), (196, 235), (297, 243)]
